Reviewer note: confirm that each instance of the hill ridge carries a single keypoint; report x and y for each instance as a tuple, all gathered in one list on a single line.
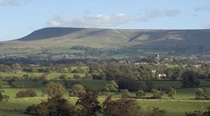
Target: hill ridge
[(112, 41)]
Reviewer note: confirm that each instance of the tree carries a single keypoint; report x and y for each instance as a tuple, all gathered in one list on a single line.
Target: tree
[(149, 85), (199, 93), (35, 80), (156, 94), (70, 83), (45, 79), (11, 82), (3, 97), (121, 107), (16, 68), (63, 76), (77, 76), (140, 93), (53, 89), (26, 76), (111, 86), (190, 79), (195, 113), (131, 85), (88, 101), (171, 92), (55, 106), (207, 93), (125, 93), (78, 89), (156, 111), (199, 112)]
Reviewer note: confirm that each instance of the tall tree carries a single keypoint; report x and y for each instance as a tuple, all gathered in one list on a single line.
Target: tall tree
[(121, 107), (111, 86), (3, 97), (89, 103), (78, 89), (171, 92), (190, 79), (53, 89)]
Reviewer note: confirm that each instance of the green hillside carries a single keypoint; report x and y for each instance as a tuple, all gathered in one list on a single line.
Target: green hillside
[(74, 42)]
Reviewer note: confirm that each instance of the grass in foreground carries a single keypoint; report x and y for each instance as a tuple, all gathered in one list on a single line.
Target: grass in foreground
[(183, 100)]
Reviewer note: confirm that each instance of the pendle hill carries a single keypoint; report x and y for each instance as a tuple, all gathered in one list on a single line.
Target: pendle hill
[(93, 42)]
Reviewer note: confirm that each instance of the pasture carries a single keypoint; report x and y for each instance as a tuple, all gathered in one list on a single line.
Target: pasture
[(182, 103)]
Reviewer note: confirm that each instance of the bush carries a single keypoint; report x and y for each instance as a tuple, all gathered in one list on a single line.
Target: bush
[(199, 94), (171, 92), (140, 93), (27, 93), (77, 77), (156, 94), (125, 93), (199, 113), (156, 111), (63, 76), (195, 113)]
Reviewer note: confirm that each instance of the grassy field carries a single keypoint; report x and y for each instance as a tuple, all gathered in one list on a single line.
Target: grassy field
[(182, 103)]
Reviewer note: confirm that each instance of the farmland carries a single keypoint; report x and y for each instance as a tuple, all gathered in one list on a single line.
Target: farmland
[(183, 101), (128, 76)]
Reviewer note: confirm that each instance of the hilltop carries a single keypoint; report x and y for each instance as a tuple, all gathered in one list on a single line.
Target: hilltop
[(78, 42)]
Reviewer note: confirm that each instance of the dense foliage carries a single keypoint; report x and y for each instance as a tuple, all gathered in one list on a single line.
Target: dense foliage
[(86, 105), (26, 93)]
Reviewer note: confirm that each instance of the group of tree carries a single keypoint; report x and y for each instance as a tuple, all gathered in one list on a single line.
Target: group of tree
[(89, 105), (61, 68), (120, 71)]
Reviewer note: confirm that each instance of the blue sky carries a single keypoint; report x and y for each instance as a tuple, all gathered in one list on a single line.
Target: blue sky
[(21, 17)]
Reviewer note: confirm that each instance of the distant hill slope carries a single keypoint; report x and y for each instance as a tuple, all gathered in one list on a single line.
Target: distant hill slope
[(112, 41)]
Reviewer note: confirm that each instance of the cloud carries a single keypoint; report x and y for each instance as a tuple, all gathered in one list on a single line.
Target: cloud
[(8, 2), (205, 26), (159, 12), (100, 20), (12, 2), (206, 8)]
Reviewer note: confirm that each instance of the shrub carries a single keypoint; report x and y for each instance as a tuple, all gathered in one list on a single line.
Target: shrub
[(77, 77), (63, 76), (27, 93), (156, 111), (171, 92), (199, 113), (156, 94), (125, 93), (140, 93), (199, 94), (195, 113)]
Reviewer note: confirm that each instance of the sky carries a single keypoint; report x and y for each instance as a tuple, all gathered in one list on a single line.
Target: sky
[(19, 18)]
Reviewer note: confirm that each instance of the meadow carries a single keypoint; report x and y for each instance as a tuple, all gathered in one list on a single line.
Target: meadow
[(183, 102)]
